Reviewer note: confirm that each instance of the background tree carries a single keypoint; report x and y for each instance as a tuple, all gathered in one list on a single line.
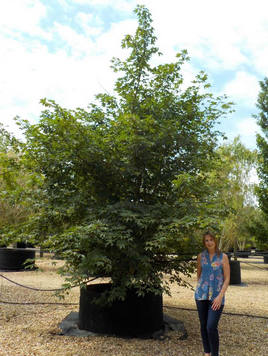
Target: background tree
[(257, 226), (233, 191), (15, 186), (262, 143), (124, 182)]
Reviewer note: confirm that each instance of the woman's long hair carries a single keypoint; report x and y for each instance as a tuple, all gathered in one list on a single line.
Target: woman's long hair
[(217, 250)]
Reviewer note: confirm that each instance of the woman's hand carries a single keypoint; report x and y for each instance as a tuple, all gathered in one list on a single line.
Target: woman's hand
[(216, 304)]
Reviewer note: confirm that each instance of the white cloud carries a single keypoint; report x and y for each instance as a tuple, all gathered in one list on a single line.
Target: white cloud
[(248, 127), (122, 5), (110, 41), (224, 35), (18, 16), (29, 71), (92, 25), (243, 88), (79, 45), (260, 59)]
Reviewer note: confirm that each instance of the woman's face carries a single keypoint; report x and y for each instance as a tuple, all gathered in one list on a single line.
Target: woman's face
[(209, 242)]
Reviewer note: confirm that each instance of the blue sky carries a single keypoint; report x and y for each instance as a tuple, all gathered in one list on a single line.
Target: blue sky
[(61, 49)]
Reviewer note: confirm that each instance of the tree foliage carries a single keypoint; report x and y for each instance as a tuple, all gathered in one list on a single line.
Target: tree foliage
[(257, 226), (124, 182), (233, 192), (16, 186), (262, 143)]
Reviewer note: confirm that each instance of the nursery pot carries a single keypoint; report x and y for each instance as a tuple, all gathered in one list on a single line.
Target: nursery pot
[(235, 272), (13, 259), (243, 254), (265, 258), (24, 244), (134, 317)]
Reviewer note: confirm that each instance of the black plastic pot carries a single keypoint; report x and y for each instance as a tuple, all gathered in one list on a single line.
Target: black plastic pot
[(265, 258), (243, 254), (133, 317), (13, 259), (24, 244), (235, 272), (261, 252)]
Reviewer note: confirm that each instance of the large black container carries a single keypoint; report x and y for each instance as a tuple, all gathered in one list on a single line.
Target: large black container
[(235, 272), (133, 317), (13, 259)]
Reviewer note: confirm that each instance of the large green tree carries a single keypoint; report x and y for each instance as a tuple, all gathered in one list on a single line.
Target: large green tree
[(124, 182)]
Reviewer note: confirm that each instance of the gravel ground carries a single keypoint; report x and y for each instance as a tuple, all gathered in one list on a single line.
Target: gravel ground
[(32, 330)]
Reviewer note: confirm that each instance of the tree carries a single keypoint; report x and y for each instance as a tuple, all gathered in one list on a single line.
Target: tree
[(262, 143), (15, 185), (233, 192), (124, 181), (257, 226)]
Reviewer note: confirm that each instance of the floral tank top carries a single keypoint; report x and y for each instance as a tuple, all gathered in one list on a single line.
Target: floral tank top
[(211, 279)]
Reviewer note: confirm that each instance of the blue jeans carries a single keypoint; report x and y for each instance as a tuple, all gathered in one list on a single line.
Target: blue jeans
[(209, 319)]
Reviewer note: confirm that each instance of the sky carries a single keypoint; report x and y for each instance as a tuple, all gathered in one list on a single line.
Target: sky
[(62, 50)]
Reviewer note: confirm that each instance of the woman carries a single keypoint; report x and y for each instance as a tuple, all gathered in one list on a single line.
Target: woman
[(213, 274)]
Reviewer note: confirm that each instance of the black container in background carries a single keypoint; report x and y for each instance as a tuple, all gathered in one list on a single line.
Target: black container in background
[(13, 259), (235, 272)]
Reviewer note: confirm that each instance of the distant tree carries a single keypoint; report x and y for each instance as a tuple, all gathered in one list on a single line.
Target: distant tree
[(257, 226), (7, 140), (124, 182), (234, 193), (16, 187), (262, 143)]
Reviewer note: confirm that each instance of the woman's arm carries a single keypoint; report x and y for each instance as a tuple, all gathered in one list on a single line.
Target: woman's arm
[(199, 267), (226, 274), (226, 277)]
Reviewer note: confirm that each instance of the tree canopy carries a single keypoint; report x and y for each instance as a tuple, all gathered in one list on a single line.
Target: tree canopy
[(124, 182)]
